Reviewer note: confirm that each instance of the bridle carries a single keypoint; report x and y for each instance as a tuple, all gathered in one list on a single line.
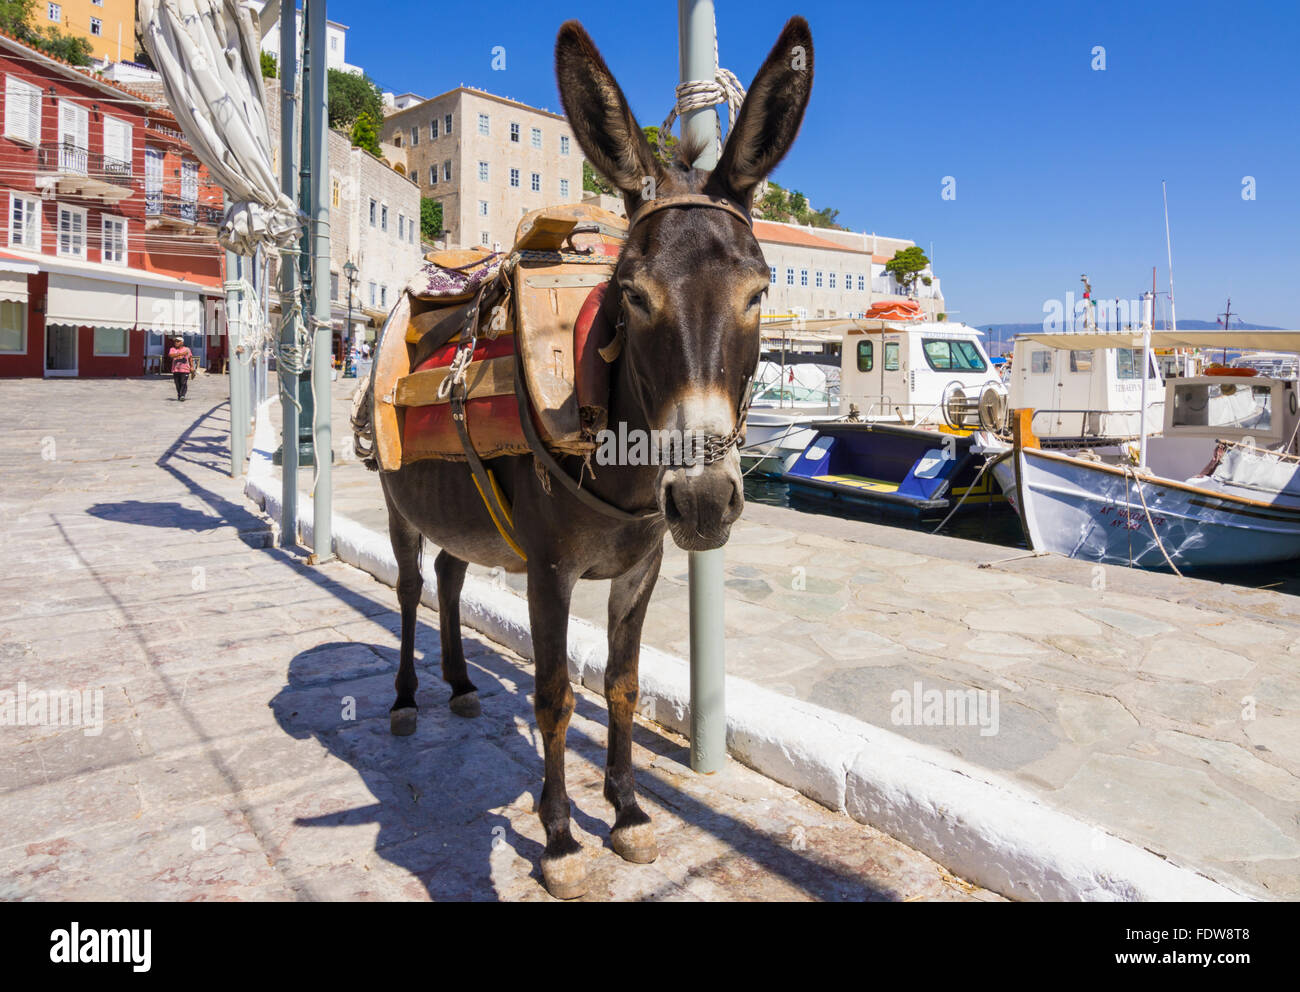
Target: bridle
[(710, 447)]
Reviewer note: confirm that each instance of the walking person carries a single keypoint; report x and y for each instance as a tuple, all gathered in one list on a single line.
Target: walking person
[(182, 361)]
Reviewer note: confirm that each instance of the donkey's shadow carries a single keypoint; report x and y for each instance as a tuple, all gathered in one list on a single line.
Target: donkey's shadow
[(455, 801)]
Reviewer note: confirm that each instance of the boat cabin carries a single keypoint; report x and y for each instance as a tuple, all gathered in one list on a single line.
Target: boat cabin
[(1084, 393), (899, 371)]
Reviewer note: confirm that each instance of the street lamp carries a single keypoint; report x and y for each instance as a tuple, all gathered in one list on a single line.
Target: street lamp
[(349, 270)]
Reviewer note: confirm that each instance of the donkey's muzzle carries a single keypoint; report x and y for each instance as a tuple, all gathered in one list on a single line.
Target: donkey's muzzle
[(700, 505)]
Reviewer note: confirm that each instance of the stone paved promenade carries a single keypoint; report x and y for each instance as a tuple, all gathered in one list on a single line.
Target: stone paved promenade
[(244, 750), (1164, 710)]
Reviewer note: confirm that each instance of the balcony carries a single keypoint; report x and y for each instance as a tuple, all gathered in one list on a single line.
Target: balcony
[(69, 170), (179, 214)]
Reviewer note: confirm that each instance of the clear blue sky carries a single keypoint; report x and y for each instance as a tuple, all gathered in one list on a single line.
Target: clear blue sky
[(1057, 166)]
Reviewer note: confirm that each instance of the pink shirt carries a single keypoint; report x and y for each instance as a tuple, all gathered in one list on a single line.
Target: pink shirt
[(180, 359)]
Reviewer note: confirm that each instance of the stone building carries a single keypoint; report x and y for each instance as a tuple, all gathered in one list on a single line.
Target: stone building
[(488, 161)]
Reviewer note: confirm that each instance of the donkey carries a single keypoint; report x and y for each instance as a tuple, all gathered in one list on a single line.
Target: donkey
[(687, 292)]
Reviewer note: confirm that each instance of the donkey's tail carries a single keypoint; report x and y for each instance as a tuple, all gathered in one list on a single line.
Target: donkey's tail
[(363, 426)]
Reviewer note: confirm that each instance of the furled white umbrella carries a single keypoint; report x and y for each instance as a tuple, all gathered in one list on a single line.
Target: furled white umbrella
[(209, 55)]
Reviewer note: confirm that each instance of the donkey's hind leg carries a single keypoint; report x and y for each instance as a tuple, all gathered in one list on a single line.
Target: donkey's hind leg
[(408, 544), (451, 577)]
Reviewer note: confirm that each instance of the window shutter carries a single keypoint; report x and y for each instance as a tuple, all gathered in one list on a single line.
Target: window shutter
[(22, 110), (117, 140)]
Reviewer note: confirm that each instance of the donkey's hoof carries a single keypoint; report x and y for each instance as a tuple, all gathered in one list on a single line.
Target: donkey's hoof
[(402, 722), (466, 705), (635, 843), (565, 876)]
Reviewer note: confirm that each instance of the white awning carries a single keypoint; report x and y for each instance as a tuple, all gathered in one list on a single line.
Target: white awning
[(170, 311), (1288, 341), (90, 302), (13, 286)]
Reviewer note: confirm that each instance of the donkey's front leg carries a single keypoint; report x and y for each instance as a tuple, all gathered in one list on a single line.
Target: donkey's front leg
[(563, 870), (408, 547), (633, 836)]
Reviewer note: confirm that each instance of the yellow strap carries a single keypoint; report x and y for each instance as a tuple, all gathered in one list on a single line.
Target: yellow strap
[(505, 509)]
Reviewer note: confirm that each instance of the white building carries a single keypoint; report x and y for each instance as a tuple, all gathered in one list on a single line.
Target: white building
[(336, 39)]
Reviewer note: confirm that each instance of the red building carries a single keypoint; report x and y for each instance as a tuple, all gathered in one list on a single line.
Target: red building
[(107, 226)]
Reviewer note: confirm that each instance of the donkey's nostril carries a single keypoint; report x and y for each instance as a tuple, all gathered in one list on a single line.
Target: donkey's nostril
[(672, 512)]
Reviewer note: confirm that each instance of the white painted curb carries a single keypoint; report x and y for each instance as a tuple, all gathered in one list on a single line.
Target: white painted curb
[(982, 828)]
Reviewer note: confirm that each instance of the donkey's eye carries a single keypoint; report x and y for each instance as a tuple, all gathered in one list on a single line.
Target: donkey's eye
[(757, 299), (635, 300)]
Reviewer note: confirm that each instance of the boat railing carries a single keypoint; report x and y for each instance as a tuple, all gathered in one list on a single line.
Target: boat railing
[(1090, 422), (883, 407)]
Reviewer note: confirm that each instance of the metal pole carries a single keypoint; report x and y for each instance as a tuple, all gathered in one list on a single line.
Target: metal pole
[(316, 121), (238, 387), (696, 28), (288, 378)]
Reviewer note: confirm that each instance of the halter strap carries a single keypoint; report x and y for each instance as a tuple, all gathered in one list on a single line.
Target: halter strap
[(688, 200)]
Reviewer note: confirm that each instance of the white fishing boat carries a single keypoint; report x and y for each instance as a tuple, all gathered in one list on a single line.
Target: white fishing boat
[(787, 398), (1219, 486)]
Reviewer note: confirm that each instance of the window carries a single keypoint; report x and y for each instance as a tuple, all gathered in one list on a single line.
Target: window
[(1081, 361), (831, 281), (25, 222), (564, 188), (484, 238), (514, 132), (564, 144), (817, 279), (117, 147), (111, 341), (1128, 363), (415, 135), (336, 190), (536, 182), (891, 356), (374, 208), (773, 279), (1040, 362), (433, 129), (96, 26), (865, 356), (373, 294), (334, 43), (401, 227), (862, 283), (72, 231), (483, 172), (22, 111), (514, 178), (446, 171), (114, 243), (483, 127), (803, 277), (13, 327), (537, 137), (446, 124), (383, 296), (410, 231), (789, 277), (54, 12), (334, 285), (954, 356), (433, 175), (482, 208), (383, 217)]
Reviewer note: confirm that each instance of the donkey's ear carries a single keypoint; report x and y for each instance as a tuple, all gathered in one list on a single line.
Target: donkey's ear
[(770, 116), (599, 115)]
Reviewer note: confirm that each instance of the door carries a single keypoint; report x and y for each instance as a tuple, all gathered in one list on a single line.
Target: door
[(189, 191), (153, 181), (60, 349), (74, 137)]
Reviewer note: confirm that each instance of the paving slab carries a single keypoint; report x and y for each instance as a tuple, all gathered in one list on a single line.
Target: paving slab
[(242, 749)]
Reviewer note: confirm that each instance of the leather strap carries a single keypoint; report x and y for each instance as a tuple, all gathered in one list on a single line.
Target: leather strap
[(585, 497), (688, 200)]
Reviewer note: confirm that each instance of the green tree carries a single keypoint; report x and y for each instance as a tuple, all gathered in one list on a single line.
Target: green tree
[(364, 134), (798, 205), (350, 96), (594, 182), (825, 217), (430, 218), (16, 19), (775, 204), (906, 265), (664, 150), (269, 67)]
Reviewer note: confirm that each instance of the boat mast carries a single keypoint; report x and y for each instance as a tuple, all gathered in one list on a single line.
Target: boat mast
[(1227, 316)]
